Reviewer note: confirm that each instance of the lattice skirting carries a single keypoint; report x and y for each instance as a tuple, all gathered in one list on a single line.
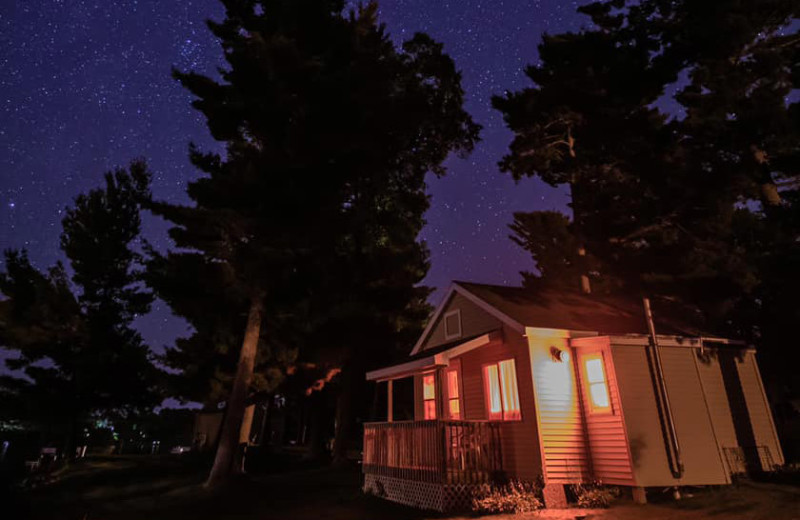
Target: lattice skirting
[(422, 495)]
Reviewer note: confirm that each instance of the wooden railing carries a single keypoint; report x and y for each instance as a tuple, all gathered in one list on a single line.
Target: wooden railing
[(452, 452)]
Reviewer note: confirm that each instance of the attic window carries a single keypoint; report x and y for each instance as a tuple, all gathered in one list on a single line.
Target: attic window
[(452, 324)]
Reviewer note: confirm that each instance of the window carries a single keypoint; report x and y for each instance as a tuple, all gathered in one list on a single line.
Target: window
[(596, 383), (429, 396), (500, 387), (452, 324), (453, 404)]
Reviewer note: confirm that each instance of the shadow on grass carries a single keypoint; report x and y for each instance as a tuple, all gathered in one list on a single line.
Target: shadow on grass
[(156, 488)]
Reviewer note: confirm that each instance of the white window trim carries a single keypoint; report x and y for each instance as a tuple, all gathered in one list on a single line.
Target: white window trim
[(447, 336)]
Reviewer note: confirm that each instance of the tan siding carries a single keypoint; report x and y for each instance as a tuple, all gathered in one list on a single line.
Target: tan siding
[(718, 405), (758, 408), (698, 446), (607, 438), (474, 320), (521, 458), (561, 425)]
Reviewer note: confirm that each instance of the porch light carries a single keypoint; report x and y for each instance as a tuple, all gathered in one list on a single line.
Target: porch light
[(561, 356)]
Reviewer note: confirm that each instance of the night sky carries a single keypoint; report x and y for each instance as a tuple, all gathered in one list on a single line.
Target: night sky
[(86, 86)]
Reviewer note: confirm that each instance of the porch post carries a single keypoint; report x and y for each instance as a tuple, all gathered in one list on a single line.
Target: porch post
[(440, 382), (390, 405)]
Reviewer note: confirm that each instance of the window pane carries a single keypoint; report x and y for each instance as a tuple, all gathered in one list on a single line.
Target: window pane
[(599, 393), (455, 409), (430, 409), (493, 392), (594, 370), (508, 381), (428, 390), (452, 384)]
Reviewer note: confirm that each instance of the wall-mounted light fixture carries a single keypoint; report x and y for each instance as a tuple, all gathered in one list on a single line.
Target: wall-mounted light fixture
[(562, 356)]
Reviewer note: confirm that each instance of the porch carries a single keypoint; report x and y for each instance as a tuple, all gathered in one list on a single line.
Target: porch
[(431, 464)]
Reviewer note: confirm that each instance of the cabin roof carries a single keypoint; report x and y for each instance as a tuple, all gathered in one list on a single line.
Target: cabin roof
[(568, 310)]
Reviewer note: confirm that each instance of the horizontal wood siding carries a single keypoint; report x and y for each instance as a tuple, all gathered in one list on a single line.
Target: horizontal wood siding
[(474, 320), (699, 451), (520, 448), (561, 429), (608, 441)]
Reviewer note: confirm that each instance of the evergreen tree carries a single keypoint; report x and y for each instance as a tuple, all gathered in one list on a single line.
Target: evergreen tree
[(329, 132), (686, 204), (79, 348)]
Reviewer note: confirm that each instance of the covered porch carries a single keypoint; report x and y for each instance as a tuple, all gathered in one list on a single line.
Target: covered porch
[(430, 464), (425, 454)]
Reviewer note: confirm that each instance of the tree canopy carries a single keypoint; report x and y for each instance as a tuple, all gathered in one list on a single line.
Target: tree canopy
[(76, 345), (680, 148)]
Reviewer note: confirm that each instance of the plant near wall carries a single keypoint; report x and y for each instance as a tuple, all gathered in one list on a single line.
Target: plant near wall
[(511, 498)]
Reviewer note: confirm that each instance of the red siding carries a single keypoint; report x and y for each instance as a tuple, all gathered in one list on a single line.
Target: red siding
[(521, 456), (607, 439)]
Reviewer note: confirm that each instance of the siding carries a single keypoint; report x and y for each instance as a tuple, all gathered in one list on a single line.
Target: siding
[(474, 321), (561, 428), (520, 447), (699, 450), (607, 438), (760, 415)]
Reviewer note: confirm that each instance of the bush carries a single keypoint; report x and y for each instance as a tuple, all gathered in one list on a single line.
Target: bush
[(514, 497), (594, 495)]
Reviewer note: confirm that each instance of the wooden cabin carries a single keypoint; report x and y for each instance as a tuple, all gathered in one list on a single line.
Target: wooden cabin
[(564, 388)]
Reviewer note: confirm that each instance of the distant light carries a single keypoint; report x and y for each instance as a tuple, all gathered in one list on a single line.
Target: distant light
[(12, 205)]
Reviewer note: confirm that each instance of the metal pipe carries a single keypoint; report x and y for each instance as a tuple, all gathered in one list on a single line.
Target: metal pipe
[(675, 462)]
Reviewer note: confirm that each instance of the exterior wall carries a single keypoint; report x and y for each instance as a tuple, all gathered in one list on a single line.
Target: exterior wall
[(561, 429), (474, 321), (752, 414), (607, 438), (699, 450), (758, 407), (520, 447)]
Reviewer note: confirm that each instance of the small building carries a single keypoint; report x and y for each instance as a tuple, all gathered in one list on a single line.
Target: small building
[(564, 388)]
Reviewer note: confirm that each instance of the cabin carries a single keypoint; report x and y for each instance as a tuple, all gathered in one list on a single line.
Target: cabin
[(563, 388)]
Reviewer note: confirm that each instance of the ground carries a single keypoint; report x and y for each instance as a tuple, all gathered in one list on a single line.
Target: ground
[(156, 488)]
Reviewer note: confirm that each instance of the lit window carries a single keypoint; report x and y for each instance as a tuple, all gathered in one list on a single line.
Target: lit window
[(597, 384), (500, 386), (429, 396), (452, 395)]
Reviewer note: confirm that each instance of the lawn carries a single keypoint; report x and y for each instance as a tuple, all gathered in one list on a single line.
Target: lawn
[(156, 488)]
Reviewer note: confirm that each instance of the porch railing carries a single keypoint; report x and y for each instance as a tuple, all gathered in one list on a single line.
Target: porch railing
[(447, 452)]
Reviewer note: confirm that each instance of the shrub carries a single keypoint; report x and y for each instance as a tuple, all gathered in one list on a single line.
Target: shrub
[(594, 495), (514, 497)]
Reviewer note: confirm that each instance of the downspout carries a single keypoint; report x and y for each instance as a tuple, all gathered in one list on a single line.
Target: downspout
[(675, 462)]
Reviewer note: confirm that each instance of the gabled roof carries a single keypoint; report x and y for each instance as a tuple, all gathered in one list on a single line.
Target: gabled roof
[(520, 307)]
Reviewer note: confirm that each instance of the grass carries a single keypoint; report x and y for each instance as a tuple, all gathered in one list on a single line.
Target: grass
[(170, 487)]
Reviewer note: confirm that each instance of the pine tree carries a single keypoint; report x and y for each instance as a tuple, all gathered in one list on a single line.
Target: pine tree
[(76, 341), (686, 204), (329, 132)]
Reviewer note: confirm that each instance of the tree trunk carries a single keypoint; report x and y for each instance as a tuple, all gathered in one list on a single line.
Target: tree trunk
[(228, 447), (347, 406), (317, 426)]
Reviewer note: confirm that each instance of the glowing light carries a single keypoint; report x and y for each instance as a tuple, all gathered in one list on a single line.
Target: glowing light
[(501, 390), (598, 386), (452, 395), (429, 396)]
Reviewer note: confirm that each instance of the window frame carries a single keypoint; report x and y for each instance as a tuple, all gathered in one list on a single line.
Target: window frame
[(505, 415), (425, 400), (592, 407), (447, 334), (457, 398)]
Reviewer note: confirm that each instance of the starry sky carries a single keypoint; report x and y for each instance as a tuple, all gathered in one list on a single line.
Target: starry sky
[(85, 86)]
